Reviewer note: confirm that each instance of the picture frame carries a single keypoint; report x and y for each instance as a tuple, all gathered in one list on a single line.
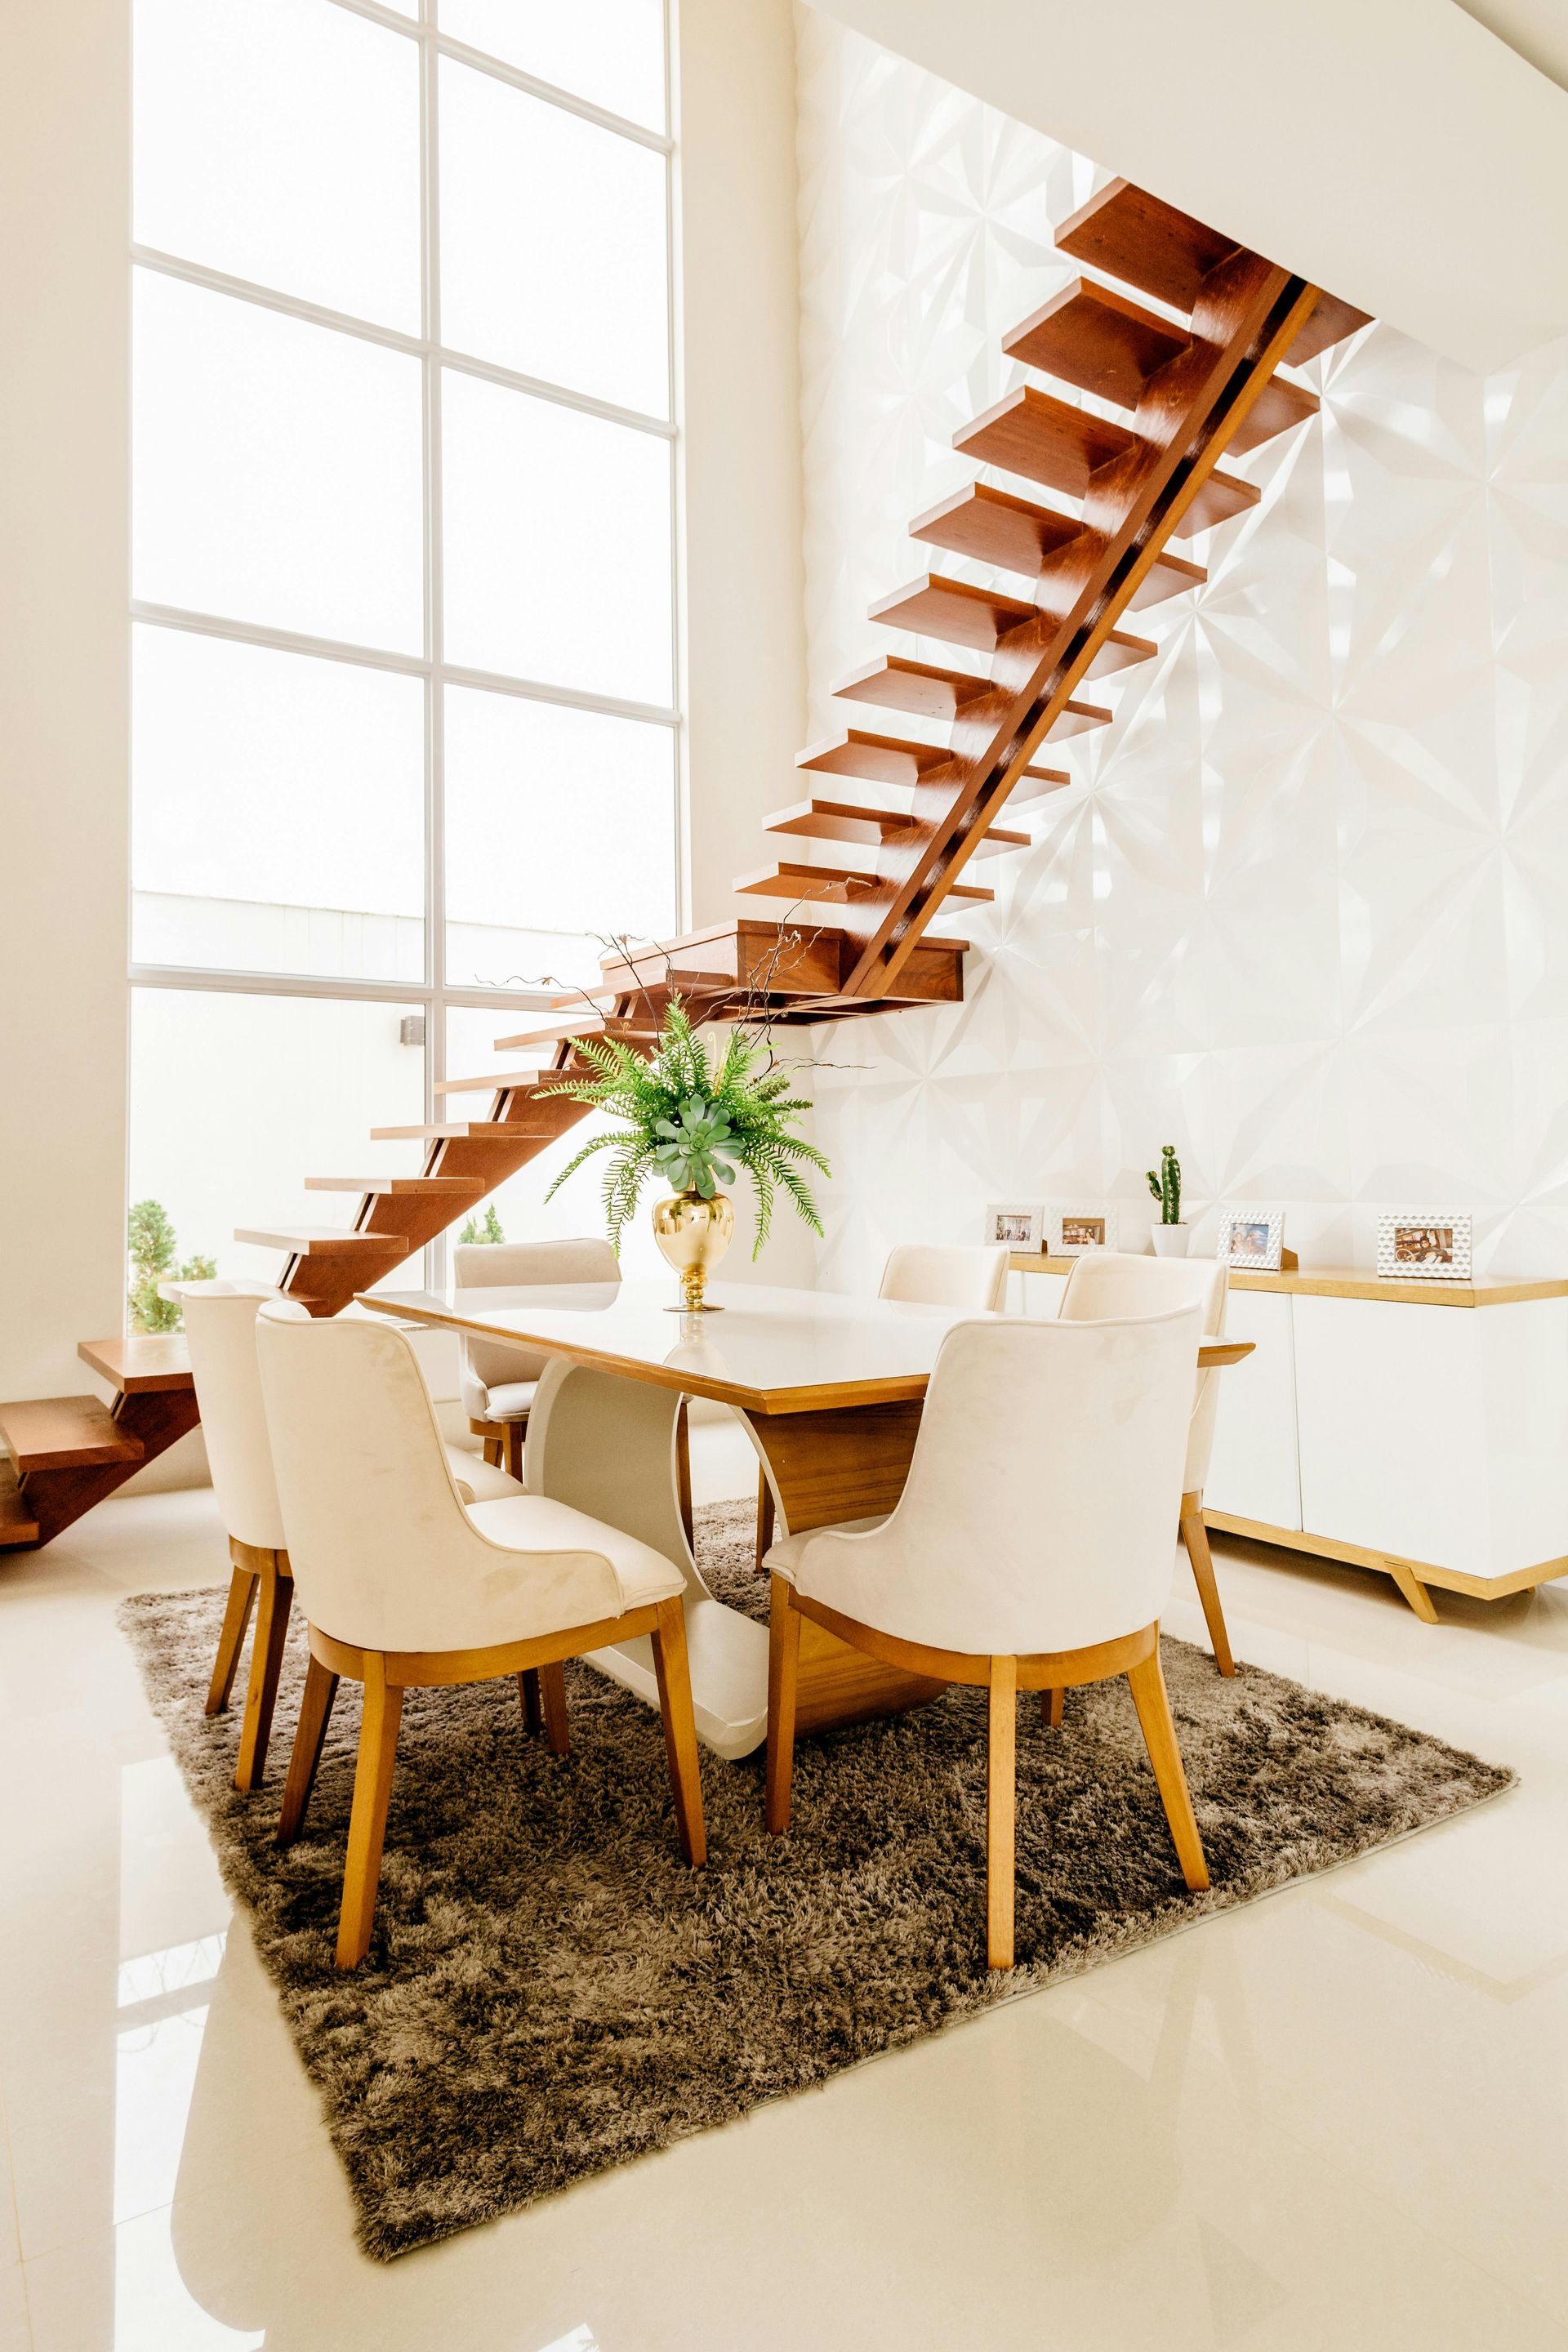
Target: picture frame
[(1251, 1239), (1425, 1245), (1079, 1229), (1017, 1225)]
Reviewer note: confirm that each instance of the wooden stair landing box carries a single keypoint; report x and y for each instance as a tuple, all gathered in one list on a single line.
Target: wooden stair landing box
[(59, 1455), (1372, 1427)]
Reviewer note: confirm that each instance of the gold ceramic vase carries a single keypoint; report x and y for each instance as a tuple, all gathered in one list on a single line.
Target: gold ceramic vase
[(693, 1235)]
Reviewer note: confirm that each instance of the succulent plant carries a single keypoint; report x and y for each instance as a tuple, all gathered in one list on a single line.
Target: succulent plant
[(1166, 1186), (688, 1157)]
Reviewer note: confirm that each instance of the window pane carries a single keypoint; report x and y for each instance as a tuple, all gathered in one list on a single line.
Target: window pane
[(281, 144), (557, 544), (276, 470), (278, 811), (235, 1100), (559, 829), (553, 258), (610, 52)]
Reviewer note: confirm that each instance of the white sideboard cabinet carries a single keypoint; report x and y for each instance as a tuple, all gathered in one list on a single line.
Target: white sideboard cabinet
[(1417, 1428)]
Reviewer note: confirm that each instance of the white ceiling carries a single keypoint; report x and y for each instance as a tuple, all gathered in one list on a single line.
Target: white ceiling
[(1403, 153)]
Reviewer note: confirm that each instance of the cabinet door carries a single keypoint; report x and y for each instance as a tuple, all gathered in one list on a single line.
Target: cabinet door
[(1253, 1471)]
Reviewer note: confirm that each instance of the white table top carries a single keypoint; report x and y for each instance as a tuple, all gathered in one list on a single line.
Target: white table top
[(771, 1350)]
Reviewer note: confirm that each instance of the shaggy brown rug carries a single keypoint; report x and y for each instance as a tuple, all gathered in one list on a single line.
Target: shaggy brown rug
[(550, 1993)]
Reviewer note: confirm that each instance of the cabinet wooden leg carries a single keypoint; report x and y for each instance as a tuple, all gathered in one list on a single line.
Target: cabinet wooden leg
[(783, 1678), (315, 1713), (1149, 1696), (673, 1672), (1195, 1537), (231, 1639), (1414, 1592), (367, 1821), (1001, 1800)]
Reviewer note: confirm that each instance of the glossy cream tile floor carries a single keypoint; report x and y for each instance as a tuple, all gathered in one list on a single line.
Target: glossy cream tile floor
[(1339, 2118)]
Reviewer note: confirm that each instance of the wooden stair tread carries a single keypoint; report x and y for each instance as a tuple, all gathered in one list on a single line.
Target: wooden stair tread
[(1092, 336), (1332, 321), (953, 609), (397, 1187), (1133, 235), (996, 527), (867, 828), (627, 1030), (65, 1433), (1036, 783), (1168, 576), (1220, 497), (482, 1130), (897, 684), (496, 1081), (1079, 719), (1047, 440), (321, 1241), (142, 1362), (880, 758), (1121, 650), (1280, 407), (839, 885)]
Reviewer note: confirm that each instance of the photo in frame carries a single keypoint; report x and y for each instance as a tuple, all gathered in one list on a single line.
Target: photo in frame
[(1425, 1245), (1075, 1231), (1017, 1227), (1251, 1239)]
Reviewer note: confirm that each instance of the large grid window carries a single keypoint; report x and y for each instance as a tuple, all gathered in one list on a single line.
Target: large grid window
[(405, 674)]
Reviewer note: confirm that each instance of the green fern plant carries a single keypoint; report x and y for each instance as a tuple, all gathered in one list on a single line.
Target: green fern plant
[(692, 1122)]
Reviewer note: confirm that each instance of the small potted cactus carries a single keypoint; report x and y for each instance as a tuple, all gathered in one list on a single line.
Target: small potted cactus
[(1170, 1235)]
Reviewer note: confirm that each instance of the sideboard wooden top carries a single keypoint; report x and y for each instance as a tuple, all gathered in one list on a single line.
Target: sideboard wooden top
[(1355, 1282)]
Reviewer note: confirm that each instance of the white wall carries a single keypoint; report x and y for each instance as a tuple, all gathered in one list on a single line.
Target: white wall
[(64, 298), (1301, 912)]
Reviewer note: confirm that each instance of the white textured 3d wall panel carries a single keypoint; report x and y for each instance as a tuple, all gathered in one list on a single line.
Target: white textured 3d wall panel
[(1304, 910)]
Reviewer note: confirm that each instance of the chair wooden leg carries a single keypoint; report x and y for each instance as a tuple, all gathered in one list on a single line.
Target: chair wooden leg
[(315, 1713), (683, 1472), (266, 1665), (533, 1706), (764, 1520), (1153, 1706), (513, 1434), (783, 1675), (1001, 1800), (231, 1641), (367, 1821), (1051, 1708), (674, 1671), (1195, 1537), (492, 1450), (552, 1706)]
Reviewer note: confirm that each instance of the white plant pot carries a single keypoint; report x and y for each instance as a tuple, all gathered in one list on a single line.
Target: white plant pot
[(1170, 1241)]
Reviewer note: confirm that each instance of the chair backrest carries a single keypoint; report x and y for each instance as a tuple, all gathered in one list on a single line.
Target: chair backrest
[(384, 1554), (498, 1265), (932, 1274), (1041, 1504), (220, 1333), (1115, 1282)]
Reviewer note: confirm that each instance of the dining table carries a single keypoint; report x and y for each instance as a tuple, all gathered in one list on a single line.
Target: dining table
[(829, 1388)]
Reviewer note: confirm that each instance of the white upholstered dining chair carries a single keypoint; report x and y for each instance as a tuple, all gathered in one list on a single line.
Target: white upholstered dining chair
[(404, 1586), (971, 1279), (499, 1378), (1030, 1550), (1114, 1282), (220, 1334)]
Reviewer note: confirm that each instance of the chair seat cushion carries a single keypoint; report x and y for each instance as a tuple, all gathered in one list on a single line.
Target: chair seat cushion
[(784, 1557), (484, 1483), (509, 1400), (538, 1523)]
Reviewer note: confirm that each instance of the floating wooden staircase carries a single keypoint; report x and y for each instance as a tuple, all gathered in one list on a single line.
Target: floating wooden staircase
[(1190, 382), (63, 1454)]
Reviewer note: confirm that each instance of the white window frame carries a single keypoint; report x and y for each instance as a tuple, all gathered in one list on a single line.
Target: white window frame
[(432, 995)]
